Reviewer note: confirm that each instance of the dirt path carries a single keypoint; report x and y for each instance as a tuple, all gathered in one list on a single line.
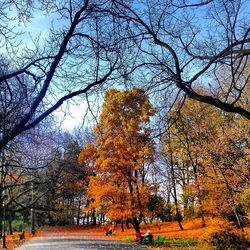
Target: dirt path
[(75, 240)]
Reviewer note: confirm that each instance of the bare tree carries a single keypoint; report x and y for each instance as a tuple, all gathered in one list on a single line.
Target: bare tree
[(178, 45), (184, 44), (77, 56)]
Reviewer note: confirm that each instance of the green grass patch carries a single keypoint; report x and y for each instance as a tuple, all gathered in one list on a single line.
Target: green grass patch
[(162, 240), (182, 242), (159, 240), (128, 239)]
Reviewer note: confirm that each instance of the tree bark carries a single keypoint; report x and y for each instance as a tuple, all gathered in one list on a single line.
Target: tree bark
[(136, 224), (178, 215), (127, 224), (93, 217), (10, 223)]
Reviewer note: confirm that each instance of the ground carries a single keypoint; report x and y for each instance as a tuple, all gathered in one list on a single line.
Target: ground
[(93, 237)]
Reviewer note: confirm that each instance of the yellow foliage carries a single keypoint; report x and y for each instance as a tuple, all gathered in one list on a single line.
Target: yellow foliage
[(212, 149), (123, 149)]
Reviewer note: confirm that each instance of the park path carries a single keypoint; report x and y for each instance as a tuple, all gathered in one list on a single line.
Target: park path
[(72, 241)]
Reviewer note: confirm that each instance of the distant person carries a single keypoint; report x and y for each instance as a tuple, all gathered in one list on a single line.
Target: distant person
[(139, 238), (109, 232), (148, 236)]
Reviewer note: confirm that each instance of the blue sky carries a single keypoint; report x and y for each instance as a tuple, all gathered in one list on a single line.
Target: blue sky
[(40, 25)]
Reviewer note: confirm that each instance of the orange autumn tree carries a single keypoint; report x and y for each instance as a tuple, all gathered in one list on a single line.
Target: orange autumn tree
[(185, 144), (227, 161), (122, 151), (211, 154)]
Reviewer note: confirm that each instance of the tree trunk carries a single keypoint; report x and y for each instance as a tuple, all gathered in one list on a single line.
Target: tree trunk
[(174, 186), (102, 218), (178, 214), (87, 215), (10, 223), (138, 196), (238, 219), (51, 220), (136, 224), (78, 213), (203, 223), (127, 224), (1, 223), (93, 217), (84, 218), (233, 202)]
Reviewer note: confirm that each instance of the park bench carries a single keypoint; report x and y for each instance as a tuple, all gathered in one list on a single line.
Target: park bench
[(143, 239)]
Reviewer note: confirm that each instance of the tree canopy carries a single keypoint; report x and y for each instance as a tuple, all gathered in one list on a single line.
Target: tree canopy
[(169, 48), (122, 151)]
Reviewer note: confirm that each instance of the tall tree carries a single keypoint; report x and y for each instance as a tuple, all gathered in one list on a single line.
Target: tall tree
[(188, 135), (226, 160), (211, 148), (173, 165), (123, 150)]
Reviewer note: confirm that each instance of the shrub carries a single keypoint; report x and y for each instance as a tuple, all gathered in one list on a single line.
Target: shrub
[(225, 240), (18, 225)]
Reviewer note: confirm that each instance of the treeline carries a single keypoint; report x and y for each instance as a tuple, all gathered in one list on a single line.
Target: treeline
[(121, 172), (40, 173), (162, 149), (198, 167)]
